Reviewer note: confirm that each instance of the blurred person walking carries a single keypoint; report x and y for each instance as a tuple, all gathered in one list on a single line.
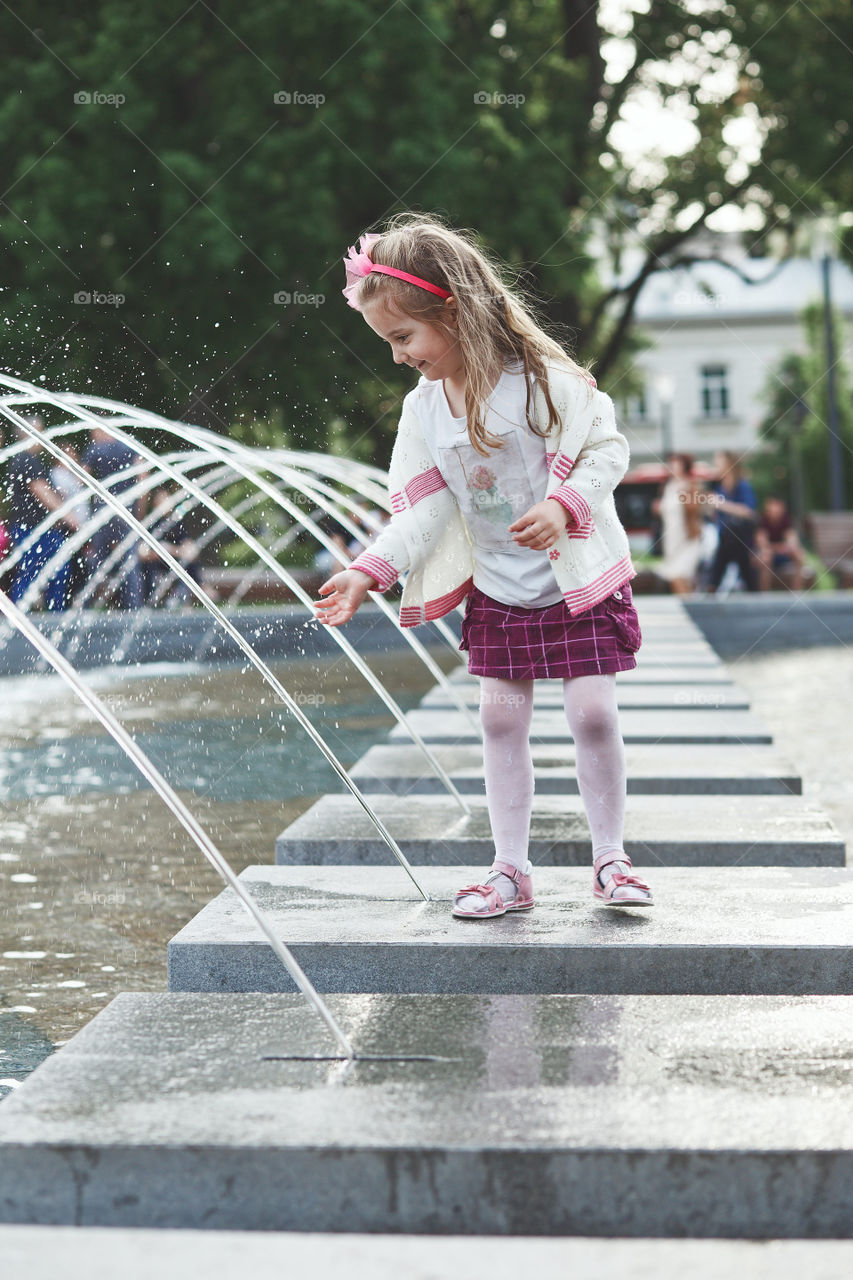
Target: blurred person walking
[(31, 497), (737, 511), (680, 509)]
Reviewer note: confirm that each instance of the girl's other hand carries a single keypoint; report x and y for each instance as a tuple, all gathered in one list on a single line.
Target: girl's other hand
[(541, 526), (345, 591)]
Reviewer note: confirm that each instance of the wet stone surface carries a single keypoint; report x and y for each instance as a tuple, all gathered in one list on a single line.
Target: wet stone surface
[(691, 724), (725, 1116), (679, 830), (694, 768), (769, 930), (136, 1254)]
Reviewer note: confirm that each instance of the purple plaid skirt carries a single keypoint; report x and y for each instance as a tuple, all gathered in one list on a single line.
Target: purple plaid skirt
[(510, 642)]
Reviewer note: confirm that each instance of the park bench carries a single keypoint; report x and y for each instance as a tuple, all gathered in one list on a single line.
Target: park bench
[(831, 535)]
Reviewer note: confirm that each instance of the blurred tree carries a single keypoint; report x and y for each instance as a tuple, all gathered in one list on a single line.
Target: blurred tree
[(199, 174), (795, 83), (793, 459)]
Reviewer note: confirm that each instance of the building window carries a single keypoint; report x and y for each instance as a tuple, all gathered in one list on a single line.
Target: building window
[(714, 391), (636, 409)]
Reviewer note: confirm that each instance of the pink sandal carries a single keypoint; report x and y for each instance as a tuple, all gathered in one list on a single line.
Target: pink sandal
[(606, 893), (493, 903)]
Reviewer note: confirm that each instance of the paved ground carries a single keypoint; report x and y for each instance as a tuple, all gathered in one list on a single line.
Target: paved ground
[(805, 698)]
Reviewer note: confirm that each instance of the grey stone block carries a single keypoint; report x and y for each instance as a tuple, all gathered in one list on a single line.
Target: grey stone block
[(549, 725), (767, 621), (548, 694), (655, 1116), (666, 673), (678, 830), (766, 931), (694, 769), (45, 1253), (655, 657)]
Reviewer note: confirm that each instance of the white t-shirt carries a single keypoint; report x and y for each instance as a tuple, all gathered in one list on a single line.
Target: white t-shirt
[(494, 490)]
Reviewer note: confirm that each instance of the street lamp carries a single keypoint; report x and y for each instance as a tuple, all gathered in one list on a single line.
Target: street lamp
[(799, 413), (665, 389), (825, 250)]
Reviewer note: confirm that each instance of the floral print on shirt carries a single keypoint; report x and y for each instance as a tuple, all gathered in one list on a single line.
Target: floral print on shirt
[(486, 497), (497, 489)]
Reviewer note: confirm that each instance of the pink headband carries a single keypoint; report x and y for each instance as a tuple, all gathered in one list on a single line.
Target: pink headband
[(358, 265)]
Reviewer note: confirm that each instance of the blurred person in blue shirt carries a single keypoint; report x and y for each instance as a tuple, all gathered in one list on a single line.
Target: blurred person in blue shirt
[(31, 498), (737, 514)]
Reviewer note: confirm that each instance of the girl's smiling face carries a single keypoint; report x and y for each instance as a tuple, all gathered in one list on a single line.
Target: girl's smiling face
[(414, 342)]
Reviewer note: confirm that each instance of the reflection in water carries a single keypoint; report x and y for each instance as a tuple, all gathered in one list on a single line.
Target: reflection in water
[(513, 1059), (182, 815), (114, 876), (263, 757), (514, 1050), (22, 1047)]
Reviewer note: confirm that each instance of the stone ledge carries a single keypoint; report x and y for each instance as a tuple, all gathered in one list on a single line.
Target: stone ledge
[(681, 830), (634, 697), (549, 725), (633, 1115), (46, 1253), (770, 931), (692, 769)]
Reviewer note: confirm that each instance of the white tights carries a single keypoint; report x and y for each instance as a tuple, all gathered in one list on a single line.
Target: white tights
[(506, 712)]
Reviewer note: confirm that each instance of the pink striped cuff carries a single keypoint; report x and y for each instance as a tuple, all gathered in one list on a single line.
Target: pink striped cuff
[(412, 615), (600, 588), (577, 506), (384, 573), (582, 531), (561, 466), (417, 489)]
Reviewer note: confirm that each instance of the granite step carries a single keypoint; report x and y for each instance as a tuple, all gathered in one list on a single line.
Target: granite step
[(693, 658), (668, 673), (679, 831), (646, 1116), (138, 1253), (693, 724), (694, 769), (636, 697), (760, 931), (656, 656)]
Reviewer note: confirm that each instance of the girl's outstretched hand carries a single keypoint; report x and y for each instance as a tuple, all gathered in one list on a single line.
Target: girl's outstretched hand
[(541, 526), (345, 591)]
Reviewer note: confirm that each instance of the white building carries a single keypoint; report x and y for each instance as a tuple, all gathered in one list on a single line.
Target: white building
[(717, 341)]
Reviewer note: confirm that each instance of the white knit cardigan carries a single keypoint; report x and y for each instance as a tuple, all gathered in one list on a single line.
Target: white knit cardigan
[(428, 535)]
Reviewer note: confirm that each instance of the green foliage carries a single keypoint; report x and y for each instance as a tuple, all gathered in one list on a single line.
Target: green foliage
[(797, 78), (199, 198), (795, 458)]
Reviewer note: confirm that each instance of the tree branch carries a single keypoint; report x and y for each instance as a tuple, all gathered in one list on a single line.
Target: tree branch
[(655, 261)]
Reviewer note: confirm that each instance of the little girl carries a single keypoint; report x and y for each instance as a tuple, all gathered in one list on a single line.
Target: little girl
[(502, 477)]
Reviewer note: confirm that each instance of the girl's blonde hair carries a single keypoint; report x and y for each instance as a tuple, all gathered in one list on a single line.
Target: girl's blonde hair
[(494, 327)]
